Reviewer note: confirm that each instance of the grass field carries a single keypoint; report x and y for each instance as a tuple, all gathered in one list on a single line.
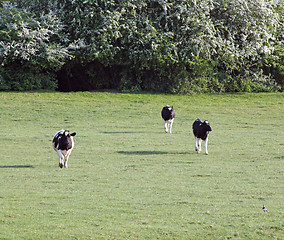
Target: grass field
[(127, 179)]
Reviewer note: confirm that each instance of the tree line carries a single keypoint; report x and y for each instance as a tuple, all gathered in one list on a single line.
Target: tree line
[(171, 46)]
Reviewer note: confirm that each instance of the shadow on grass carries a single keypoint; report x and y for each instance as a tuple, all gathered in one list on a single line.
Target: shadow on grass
[(17, 166), (132, 132), (126, 132), (151, 153)]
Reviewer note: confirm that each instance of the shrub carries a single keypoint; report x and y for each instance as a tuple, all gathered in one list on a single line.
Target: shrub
[(30, 51)]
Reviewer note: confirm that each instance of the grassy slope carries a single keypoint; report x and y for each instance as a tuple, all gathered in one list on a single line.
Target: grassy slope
[(127, 179)]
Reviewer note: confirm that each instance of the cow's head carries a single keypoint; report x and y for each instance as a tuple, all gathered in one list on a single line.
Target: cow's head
[(67, 134), (207, 126), (170, 108)]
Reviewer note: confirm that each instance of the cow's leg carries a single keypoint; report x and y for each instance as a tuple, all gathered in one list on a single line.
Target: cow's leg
[(66, 158), (205, 145), (61, 162), (166, 126), (200, 141), (171, 124), (61, 158), (196, 144)]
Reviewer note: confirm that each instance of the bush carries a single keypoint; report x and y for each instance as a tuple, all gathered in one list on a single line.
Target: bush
[(21, 77), (30, 50), (148, 45)]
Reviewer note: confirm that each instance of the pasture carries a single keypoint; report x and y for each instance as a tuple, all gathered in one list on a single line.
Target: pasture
[(127, 179)]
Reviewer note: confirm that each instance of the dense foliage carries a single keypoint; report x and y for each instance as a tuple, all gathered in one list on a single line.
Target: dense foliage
[(171, 46)]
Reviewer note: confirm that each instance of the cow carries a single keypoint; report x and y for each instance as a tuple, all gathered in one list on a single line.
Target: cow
[(201, 130), (168, 114), (63, 143)]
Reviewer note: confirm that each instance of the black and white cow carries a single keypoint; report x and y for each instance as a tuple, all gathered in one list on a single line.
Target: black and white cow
[(168, 114), (201, 130), (63, 143)]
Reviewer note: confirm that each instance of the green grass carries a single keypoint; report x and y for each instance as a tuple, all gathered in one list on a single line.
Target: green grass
[(127, 179)]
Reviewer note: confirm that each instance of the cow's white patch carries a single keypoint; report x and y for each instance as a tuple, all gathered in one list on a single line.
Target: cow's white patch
[(198, 142), (168, 125)]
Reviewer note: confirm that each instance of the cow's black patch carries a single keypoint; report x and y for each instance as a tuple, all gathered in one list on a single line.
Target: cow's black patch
[(201, 129), (168, 113), (62, 141)]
